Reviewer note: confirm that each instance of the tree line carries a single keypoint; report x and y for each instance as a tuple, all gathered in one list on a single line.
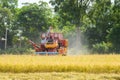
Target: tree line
[(97, 20)]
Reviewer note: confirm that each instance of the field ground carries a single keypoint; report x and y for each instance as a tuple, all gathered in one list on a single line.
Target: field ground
[(59, 76)]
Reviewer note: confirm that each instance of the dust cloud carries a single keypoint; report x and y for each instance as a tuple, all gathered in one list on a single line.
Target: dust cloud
[(77, 44)]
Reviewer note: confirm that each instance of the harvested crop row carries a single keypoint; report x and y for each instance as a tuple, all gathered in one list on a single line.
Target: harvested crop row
[(59, 76)]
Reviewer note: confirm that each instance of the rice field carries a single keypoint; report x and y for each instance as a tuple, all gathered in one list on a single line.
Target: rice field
[(81, 64)]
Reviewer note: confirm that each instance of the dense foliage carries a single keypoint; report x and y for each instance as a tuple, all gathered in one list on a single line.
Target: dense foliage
[(92, 24)]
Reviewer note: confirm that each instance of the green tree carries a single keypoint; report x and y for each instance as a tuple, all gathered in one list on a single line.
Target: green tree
[(33, 19), (99, 20), (114, 37), (114, 33), (10, 4), (5, 18), (7, 11), (72, 11)]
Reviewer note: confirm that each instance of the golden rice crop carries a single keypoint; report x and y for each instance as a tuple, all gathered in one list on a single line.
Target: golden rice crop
[(81, 63)]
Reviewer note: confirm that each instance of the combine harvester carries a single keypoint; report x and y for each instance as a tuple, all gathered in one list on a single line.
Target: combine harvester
[(51, 44)]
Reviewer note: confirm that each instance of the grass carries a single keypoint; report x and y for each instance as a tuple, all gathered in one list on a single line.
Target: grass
[(81, 63), (59, 76)]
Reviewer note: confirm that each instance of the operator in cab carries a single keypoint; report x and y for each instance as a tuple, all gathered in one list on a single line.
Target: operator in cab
[(43, 39)]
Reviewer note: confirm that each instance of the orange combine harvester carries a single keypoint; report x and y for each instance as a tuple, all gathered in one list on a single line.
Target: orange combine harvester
[(52, 43)]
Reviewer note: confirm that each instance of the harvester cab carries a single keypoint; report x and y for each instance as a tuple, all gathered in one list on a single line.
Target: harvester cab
[(52, 43)]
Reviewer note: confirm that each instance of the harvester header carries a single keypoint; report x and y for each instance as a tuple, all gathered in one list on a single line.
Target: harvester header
[(51, 43)]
